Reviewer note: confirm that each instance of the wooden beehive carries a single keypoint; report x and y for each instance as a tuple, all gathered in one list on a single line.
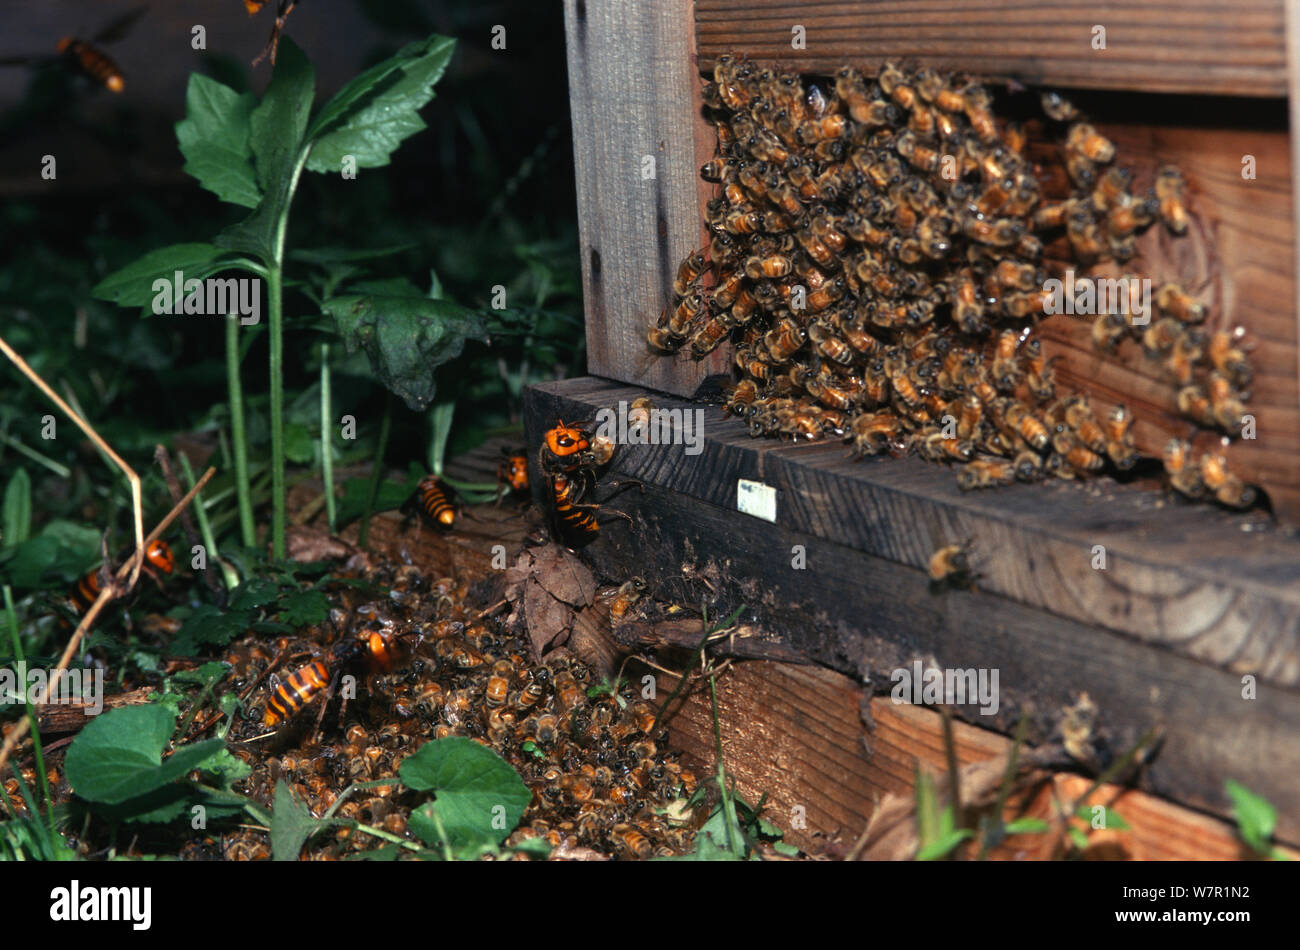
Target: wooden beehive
[(1194, 597)]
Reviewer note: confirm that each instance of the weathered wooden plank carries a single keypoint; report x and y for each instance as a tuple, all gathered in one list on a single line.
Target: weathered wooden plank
[(632, 92), (1208, 584), (1293, 90), (867, 617), (1197, 46)]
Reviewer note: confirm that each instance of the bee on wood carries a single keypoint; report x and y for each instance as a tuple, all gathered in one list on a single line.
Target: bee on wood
[(1058, 108), (1119, 438), (951, 566), (1171, 190), (986, 472), (1228, 357)]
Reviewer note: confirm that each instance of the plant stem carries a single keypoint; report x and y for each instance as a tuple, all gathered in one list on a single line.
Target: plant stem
[(377, 472), (31, 712), (247, 534), (276, 327), (326, 454), (205, 528)]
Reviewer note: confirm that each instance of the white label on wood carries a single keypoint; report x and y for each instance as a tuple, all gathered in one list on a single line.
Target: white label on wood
[(757, 499)]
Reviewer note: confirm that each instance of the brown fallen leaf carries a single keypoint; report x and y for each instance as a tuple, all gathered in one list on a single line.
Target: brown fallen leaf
[(547, 618)]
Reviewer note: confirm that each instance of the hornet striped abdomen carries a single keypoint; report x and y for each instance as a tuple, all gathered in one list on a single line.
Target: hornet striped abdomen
[(296, 692)]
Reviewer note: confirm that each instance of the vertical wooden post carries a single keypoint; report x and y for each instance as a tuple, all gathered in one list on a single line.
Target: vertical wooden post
[(633, 91), (1293, 91)]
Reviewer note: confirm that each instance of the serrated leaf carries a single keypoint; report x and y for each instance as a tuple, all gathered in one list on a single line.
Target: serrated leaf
[(118, 755), (132, 286), (276, 138), (372, 122), (478, 796), (1256, 816), (304, 608), (405, 338), (254, 592), (207, 673), (277, 125), (214, 138), (17, 522), (292, 824), (209, 625)]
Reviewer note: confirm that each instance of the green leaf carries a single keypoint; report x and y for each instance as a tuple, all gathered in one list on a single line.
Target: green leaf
[(209, 625), (206, 674), (292, 824), (228, 768), (405, 338), (1027, 826), (379, 109), (943, 844), (304, 608), (299, 446), (478, 796), (1109, 817), (17, 523), (118, 755), (391, 495), (214, 138), (1256, 816), (322, 256), (276, 137), (277, 125), (1079, 839), (132, 286), (254, 592)]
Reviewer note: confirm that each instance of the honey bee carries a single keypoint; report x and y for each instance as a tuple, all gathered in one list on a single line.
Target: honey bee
[(783, 341), (950, 565), (1194, 403), (1028, 466), (1020, 419), (1225, 404), (1058, 107), (1006, 368), (1076, 455), (1171, 192), (986, 472), (1079, 417), (689, 272), (1085, 140), (1119, 440), (1228, 357), (874, 432)]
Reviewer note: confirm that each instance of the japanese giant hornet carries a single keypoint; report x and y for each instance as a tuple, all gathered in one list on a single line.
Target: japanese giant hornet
[(373, 651), (512, 473), (435, 501), (158, 557)]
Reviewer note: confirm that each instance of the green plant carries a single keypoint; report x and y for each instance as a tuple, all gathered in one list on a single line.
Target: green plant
[(253, 154), (1256, 820)]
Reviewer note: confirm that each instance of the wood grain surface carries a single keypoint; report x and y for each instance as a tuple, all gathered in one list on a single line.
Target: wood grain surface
[(1188, 606), (1195, 46), (632, 82)]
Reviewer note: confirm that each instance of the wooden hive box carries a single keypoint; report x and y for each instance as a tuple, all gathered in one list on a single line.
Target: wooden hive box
[(1193, 598)]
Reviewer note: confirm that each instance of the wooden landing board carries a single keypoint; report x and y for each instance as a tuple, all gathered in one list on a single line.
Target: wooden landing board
[(1188, 604), (1195, 46)]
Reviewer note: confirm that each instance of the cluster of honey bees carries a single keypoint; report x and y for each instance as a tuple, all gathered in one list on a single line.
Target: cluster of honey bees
[(876, 255), (594, 759)]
